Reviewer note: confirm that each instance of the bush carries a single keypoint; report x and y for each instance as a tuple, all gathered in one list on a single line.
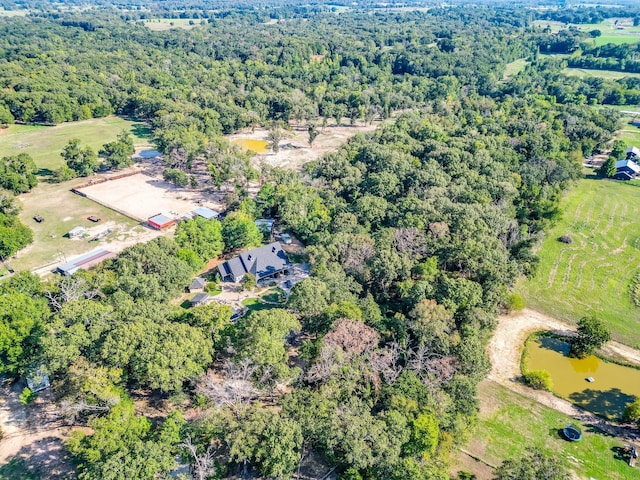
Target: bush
[(515, 302), (538, 379), (27, 396), (566, 239), (632, 412)]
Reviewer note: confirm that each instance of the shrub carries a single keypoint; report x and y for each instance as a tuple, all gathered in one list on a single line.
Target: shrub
[(515, 302), (27, 396), (632, 412), (566, 239), (538, 379)]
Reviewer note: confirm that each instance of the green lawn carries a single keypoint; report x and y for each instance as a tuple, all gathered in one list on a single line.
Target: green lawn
[(514, 68), (44, 144), (592, 274), (511, 425), (606, 74), (255, 304), (630, 135)]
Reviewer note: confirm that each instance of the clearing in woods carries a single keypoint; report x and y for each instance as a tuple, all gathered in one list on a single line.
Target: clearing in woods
[(511, 425), (592, 275), (613, 30), (45, 144)]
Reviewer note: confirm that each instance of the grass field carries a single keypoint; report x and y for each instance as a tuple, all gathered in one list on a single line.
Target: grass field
[(514, 68), (162, 24), (592, 274), (623, 32), (49, 244), (630, 135), (44, 144), (511, 425), (590, 73)]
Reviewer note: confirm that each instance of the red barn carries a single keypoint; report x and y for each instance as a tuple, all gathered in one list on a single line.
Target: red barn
[(160, 222)]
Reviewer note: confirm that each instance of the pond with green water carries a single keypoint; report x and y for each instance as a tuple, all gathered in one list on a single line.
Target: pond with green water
[(613, 387), (256, 146)]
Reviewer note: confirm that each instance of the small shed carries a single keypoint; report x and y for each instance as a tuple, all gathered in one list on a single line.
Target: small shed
[(265, 225), (76, 232), (197, 285), (200, 299), (160, 222), (206, 213), (37, 380)]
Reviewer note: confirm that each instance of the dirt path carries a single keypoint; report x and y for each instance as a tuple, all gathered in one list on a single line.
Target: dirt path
[(34, 433), (505, 350)]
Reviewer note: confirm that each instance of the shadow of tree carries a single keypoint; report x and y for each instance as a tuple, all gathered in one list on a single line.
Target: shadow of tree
[(620, 454), (610, 403), (141, 130), (46, 458), (554, 344), (44, 172)]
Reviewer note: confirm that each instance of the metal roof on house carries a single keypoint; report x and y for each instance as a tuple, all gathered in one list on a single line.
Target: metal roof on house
[(634, 150), (197, 283), (629, 164), (77, 231), (265, 223), (205, 212), (260, 262)]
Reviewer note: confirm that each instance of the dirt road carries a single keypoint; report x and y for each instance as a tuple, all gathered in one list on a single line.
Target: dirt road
[(505, 350)]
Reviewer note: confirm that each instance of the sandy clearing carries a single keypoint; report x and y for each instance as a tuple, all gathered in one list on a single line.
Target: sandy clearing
[(505, 351), (294, 148)]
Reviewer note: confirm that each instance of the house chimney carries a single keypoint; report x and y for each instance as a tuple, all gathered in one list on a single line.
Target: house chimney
[(273, 249), (249, 257)]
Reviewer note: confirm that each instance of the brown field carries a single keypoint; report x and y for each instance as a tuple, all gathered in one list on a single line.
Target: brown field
[(141, 196)]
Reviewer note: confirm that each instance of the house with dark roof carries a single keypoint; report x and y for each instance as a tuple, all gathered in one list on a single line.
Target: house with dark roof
[(262, 262), (197, 285), (633, 153), (626, 170)]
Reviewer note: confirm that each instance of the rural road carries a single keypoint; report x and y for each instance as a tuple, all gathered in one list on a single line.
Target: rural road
[(505, 350)]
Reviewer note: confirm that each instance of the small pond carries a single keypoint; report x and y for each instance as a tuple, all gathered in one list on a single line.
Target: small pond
[(256, 146), (614, 386)]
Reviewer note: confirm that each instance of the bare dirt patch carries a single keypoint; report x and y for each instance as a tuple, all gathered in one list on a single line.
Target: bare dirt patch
[(34, 433), (141, 196), (295, 150)]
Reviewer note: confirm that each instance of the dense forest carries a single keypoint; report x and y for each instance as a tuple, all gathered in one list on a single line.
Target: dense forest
[(414, 234)]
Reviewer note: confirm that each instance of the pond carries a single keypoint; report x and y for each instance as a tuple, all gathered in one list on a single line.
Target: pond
[(613, 386), (256, 146)]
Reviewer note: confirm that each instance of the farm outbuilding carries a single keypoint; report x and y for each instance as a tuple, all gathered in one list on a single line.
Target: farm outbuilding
[(77, 232), (85, 261), (160, 222), (206, 213), (200, 299), (197, 285)]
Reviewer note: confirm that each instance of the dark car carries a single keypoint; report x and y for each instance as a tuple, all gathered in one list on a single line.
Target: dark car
[(38, 219), (93, 219)]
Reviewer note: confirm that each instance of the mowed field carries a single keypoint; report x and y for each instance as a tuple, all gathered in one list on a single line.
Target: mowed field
[(162, 24), (45, 144), (592, 275), (622, 32), (592, 73), (511, 425)]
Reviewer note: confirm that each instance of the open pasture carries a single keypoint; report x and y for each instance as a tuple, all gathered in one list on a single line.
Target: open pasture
[(613, 30), (511, 425), (163, 24), (45, 144), (592, 73), (592, 274)]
